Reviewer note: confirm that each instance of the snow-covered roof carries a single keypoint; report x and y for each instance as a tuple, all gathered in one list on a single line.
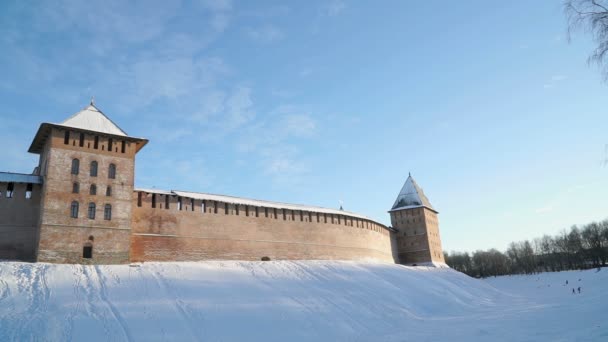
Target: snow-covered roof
[(90, 119), (254, 202), (93, 119), (9, 177), (411, 196)]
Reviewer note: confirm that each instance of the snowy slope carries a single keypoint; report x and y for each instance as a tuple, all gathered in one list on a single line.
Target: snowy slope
[(293, 301)]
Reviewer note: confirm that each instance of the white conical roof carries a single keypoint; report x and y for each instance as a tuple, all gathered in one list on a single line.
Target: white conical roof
[(92, 119), (411, 195)]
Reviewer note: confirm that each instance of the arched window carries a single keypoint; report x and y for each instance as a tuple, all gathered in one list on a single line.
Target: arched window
[(112, 171), (92, 211), (107, 212), (93, 169), (93, 190), (109, 191), (75, 166), (75, 188), (74, 210)]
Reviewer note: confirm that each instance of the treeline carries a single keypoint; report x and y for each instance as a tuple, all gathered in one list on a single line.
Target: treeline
[(580, 248)]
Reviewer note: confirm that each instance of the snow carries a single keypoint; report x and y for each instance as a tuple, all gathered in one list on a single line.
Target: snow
[(92, 119), (411, 196), (294, 301), (254, 202)]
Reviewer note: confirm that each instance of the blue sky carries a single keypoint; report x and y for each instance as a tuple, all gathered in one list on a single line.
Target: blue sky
[(496, 115)]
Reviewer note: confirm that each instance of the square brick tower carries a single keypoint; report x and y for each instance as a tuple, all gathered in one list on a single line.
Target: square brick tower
[(417, 238), (87, 166)]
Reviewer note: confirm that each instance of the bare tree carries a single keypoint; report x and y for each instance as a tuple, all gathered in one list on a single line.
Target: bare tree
[(590, 16)]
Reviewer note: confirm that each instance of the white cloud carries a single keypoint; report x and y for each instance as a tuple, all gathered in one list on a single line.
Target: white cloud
[(554, 80), (265, 34), (545, 209), (557, 78), (334, 8), (299, 125), (239, 107)]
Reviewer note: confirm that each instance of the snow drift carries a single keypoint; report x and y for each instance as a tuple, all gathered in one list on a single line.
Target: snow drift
[(294, 301)]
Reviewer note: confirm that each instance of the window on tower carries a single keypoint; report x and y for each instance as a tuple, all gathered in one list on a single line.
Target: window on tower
[(75, 166), (112, 171), (92, 211), (107, 212), (74, 209), (93, 169)]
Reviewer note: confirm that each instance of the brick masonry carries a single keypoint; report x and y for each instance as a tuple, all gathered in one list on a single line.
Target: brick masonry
[(42, 228)]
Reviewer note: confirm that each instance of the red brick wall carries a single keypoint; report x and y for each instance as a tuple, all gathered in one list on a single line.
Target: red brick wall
[(170, 234)]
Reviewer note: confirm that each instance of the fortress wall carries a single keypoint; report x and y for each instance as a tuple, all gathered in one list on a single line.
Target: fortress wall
[(19, 223), (248, 232)]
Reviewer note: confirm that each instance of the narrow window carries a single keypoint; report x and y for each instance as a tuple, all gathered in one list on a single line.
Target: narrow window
[(28, 191), (108, 191), (257, 212), (153, 200), (110, 145), (266, 212), (226, 208), (192, 204), (275, 213), (338, 219), (318, 218), (93, 190), (10, 190), (107, 212), (93, 168), (301, 216), (92, 211), (309, 216), (139, 194), (74, 210), (75, 166), (81, 140), (179, 203), (112, 171), (237, 208), (75, 188), (123, 146), (284, 215), (96, 142), (66, 138), (167, 201), (215, 207), (87, 251), (203, 206), (246, 210)]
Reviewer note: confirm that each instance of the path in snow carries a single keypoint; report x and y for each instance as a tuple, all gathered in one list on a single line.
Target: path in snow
[(294, 301)]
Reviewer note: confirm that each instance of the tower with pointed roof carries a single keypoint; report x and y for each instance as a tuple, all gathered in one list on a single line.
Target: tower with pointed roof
[(417, 227), (87, 166)]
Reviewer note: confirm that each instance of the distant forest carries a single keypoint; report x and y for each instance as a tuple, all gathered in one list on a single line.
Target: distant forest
[(580, 248)]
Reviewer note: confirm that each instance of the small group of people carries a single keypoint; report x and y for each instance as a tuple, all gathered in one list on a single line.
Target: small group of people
[(573, 289)]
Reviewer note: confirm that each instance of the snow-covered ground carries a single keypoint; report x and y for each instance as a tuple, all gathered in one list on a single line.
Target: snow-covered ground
[(295, 301)]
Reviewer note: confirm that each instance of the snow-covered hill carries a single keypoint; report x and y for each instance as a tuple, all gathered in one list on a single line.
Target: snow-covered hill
[(294, 301)]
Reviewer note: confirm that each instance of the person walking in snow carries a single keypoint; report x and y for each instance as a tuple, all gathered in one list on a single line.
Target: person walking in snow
[(566, 282), (573, 292), (579, 289)]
